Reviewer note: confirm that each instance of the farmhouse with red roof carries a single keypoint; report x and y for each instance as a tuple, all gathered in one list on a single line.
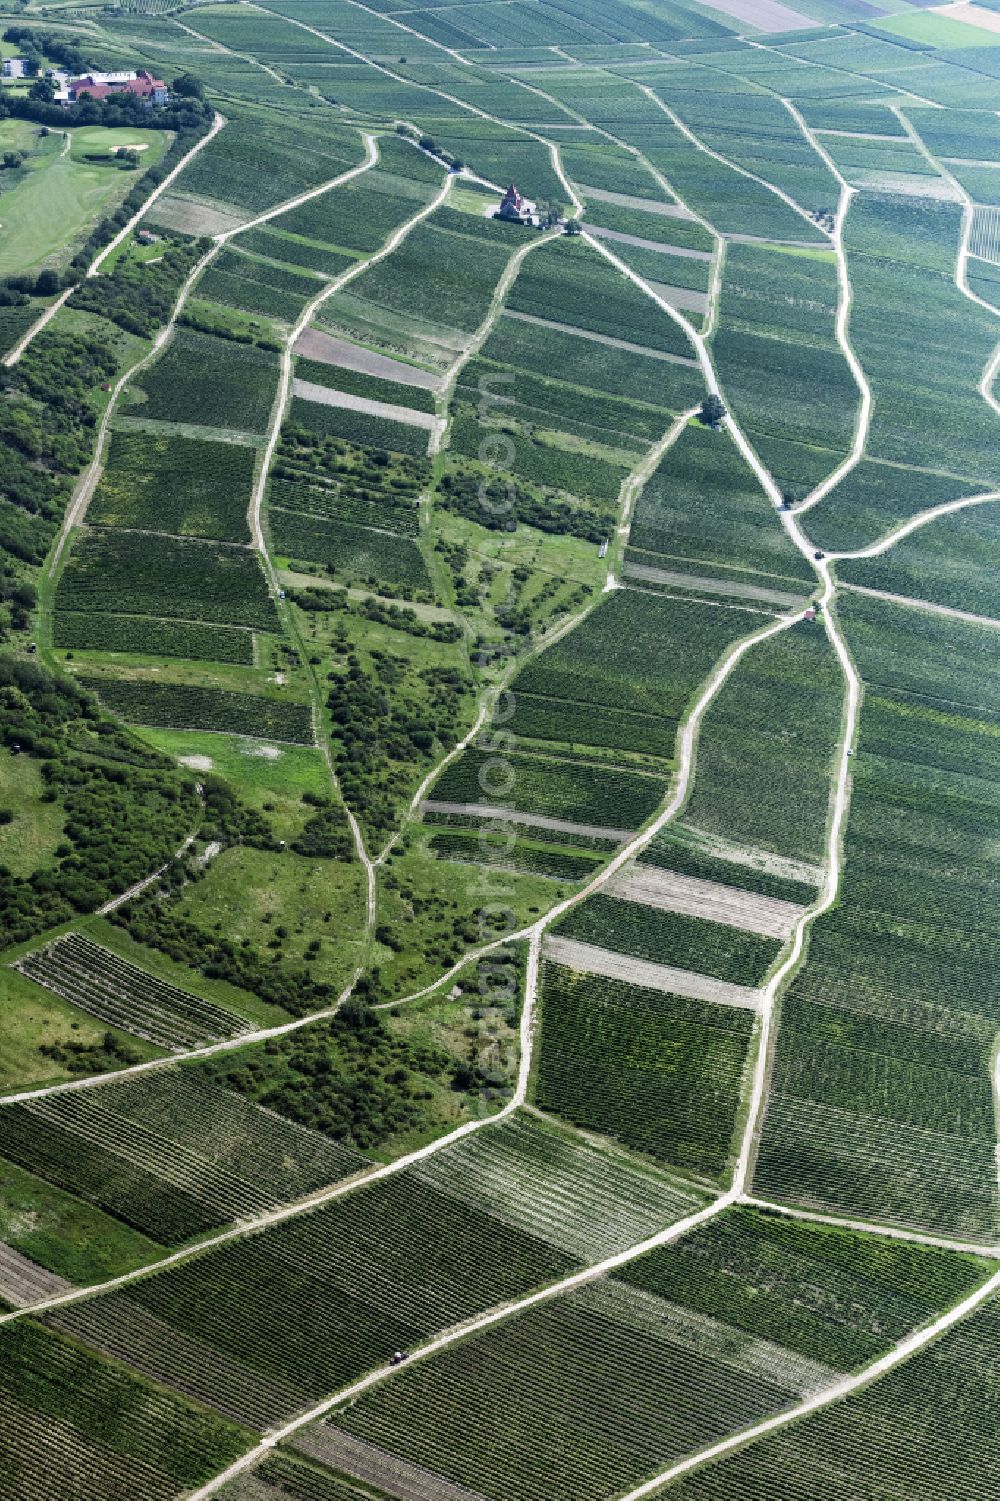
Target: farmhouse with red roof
[(101, 86)]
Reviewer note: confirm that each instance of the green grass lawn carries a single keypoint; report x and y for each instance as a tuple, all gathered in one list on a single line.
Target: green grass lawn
[(63, 1233), (30, 839), (55, 198), (32, 1017), (251, 893), (940, 31)]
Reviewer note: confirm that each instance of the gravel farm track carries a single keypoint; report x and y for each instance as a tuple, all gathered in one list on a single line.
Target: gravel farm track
[(789, 922)]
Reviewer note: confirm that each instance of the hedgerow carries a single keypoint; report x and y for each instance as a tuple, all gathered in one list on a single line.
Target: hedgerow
[(127, 808)]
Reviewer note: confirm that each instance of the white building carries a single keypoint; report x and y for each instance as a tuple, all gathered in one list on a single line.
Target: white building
[(111, 80), (15, 67)]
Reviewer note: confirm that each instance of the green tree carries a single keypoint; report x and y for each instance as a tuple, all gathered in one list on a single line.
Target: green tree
[(188, 86), (712, 411)]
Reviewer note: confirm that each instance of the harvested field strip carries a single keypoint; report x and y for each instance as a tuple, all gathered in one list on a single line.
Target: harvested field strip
[(696, 898), (729, 588), (621, 238), (646, 205), (590, 960), (694, 854), (596, 338), (984, 240), (666, 937), (328, 350), (681, 297), (377, 1467), (535, 820), (121, 994), (187, 1106), (909, 603), (328, 396), (23, 1281), (590, 1202)]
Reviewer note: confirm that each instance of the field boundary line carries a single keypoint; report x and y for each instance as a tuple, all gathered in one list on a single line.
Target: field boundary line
[(687, 736), (898, 1355), (260, 488), (862, 421), (960, 276), (218, 46), (635, 479), (675, 119), (489, 695), (913, 524), (218, 122), (870, 1227), (496, 1315), (418, 36), (909, 602), (895, 88), (88, 480), (429, 88)]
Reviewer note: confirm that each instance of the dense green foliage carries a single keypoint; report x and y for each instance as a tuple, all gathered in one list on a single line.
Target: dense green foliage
[(567, 283), (126, 807), (210, 383), (670, 1072), (139, 296), (144, 573), (882, 1099), (187, 486), (679, 1349), (191, 707), (347, 482), (350, 1078), (93, 1414), (93, 631), (575, 791), (766, 747)]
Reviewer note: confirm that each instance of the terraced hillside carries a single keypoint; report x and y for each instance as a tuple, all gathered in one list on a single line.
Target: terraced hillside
[(498, 753)]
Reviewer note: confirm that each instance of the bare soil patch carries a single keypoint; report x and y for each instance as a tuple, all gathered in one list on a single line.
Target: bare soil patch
[(329, 350), (23, 1281), (590, 960), (671, 891), (326, 397), (534, 820)]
